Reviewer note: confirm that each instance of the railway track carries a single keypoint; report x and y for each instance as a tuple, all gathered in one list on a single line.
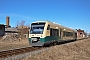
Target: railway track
[(12, 52), (17, 51)]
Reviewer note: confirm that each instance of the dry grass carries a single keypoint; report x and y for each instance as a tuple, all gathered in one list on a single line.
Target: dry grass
[(79, 50), (13, 44)]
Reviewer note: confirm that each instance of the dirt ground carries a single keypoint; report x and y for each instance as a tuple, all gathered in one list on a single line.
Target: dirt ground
[(13, 44), (78, 50)]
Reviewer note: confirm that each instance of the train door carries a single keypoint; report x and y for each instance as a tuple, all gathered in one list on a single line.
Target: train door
[(48, 30), (75, 35), (60, 33)]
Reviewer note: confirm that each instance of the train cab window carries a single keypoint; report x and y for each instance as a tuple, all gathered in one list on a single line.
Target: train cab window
[(48, 28)]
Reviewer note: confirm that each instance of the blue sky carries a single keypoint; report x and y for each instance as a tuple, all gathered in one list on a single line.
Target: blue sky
[(70, 13)]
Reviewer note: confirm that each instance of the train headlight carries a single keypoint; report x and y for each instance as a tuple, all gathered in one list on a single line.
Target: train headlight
[(33, 39)]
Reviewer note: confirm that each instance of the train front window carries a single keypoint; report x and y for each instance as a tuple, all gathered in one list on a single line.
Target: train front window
[(37, 28)]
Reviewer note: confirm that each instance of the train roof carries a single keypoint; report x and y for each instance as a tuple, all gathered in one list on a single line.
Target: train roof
[(40, 21), (64, 27), (56, 24)]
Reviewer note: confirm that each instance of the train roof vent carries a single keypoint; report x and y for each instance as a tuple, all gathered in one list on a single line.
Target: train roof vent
[(56, 23), (39, 21)]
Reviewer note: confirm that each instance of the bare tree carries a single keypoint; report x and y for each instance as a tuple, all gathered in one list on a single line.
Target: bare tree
[(22, 23), (22, 30), (17, 24)]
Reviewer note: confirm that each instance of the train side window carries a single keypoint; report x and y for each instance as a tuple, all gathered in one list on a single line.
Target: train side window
[(67, 34), (54, 32), (48, 28)]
